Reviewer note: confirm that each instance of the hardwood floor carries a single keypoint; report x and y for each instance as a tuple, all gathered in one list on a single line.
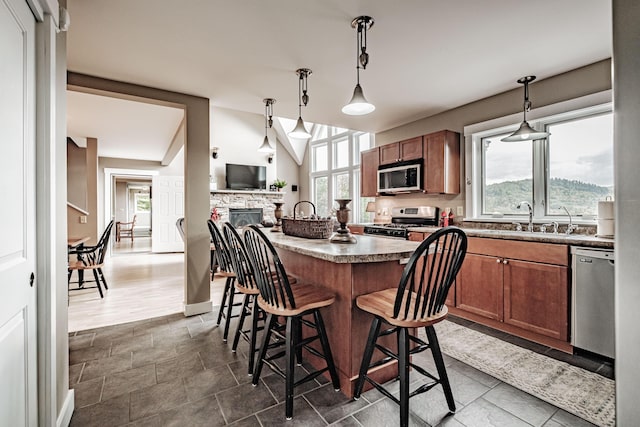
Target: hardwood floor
[(142, 285)]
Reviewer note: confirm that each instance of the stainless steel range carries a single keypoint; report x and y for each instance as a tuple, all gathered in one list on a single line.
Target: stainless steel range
[(404, 218)]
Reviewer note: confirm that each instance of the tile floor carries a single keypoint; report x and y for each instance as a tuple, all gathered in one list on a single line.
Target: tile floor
[(177, 371)]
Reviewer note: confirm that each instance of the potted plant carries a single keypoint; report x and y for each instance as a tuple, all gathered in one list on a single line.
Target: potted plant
[(279, 184)]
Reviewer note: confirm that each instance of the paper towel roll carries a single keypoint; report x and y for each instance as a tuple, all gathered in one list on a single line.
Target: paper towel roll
[(605, 227), (605, 209)]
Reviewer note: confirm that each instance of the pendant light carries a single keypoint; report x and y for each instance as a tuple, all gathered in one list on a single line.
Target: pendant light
[(300, 132), (359, 105), (266, 146), (525, 132)]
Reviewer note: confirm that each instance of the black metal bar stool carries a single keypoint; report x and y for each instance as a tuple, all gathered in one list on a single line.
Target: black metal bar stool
[(278, 298), (226, 270), (419, 301), (245, 284)]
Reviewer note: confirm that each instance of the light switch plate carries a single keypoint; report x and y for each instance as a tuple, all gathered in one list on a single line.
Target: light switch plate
[(83, 219), (460, 211)]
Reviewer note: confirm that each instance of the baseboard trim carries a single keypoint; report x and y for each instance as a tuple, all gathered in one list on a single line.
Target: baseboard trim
[(67, 410), (198, 308)]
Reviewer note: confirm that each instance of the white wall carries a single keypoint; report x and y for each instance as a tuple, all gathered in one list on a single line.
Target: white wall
[(626, 96), (238, 135)]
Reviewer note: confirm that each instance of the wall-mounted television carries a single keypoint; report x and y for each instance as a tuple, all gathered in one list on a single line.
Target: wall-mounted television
[(246, 177)]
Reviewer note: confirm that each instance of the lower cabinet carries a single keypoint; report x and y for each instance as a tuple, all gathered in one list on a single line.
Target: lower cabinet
[(356, 229), (480, 286), (536, 298), (523, 284)]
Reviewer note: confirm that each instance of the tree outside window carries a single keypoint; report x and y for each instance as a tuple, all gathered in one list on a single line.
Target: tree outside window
[(142, 203)]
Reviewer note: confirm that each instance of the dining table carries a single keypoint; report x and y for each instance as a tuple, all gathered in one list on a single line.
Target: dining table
[(74, 242)]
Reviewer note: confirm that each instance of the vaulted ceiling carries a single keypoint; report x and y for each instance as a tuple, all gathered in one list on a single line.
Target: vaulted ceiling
[(426, 56)]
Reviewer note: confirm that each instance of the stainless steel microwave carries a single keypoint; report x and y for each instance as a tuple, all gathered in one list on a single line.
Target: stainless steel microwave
[(401, 177)]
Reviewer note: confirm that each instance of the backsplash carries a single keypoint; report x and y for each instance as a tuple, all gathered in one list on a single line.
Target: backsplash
[(588, 230)]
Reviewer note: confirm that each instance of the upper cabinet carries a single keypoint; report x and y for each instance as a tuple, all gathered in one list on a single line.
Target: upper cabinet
[(441, 153), (409, 149), (369, 161)]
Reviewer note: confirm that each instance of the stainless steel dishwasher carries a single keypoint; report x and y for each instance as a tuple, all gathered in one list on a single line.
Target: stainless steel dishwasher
[(593, 326)]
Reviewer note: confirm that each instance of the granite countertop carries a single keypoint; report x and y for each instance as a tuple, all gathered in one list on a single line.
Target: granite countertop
[(367, 248), (571, 239)]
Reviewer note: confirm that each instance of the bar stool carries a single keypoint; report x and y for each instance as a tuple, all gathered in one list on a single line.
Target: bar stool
[(226, 270), (278, 298), (245, 285), (419, 301)]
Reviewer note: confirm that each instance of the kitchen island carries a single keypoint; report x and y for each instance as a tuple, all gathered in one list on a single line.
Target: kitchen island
[(348, 270)]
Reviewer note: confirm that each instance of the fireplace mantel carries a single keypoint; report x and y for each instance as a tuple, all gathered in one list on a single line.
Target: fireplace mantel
[(271, 193)]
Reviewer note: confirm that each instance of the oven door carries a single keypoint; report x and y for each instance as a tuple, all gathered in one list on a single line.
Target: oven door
[(400, 178)]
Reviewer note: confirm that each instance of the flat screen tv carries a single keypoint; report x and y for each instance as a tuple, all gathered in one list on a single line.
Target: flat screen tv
[(246, 177)]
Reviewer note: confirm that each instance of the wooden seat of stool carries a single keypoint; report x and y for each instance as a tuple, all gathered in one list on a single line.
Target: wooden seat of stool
[(307, 297), (382, 304)]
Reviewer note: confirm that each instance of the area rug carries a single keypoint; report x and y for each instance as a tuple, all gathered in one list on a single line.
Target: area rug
[(582, 393)]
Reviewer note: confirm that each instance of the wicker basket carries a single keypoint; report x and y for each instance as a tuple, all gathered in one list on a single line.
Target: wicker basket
[(308, 228)]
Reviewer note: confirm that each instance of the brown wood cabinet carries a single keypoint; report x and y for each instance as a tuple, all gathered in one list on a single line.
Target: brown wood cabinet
[(369, 161), (441, 153), (409, 149), (536, 298), (480, 286), (416, 236), (523, 284), (356, 229)]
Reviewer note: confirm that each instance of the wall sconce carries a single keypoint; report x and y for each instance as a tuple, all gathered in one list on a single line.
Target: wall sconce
[(214, 152), (270, 158)]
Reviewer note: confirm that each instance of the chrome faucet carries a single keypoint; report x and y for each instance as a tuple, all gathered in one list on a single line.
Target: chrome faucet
[(570, 228), (530, 225)]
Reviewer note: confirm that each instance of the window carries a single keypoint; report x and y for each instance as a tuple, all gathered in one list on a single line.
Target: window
[(335, 170), (572, 169), (143, 202)]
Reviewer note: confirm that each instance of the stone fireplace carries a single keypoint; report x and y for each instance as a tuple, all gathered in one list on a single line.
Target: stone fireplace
[(234, 202), (241, 217)]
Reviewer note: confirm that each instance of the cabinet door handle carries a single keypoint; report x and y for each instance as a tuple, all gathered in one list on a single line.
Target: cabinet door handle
[(498, 260), (505, 262)]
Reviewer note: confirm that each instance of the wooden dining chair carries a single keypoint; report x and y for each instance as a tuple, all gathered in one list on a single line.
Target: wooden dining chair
[(418, 301), (90, 258), (125, 229), (226, 270), (279, 298)]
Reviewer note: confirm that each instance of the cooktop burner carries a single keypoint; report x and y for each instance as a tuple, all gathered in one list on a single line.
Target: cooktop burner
[(403, 218)]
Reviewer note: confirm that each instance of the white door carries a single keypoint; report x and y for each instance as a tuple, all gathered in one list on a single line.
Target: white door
[(167, 205), (18, 382)]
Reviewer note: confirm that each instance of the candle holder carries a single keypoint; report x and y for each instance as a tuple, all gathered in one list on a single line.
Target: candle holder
[(278, 214), (343, 235)]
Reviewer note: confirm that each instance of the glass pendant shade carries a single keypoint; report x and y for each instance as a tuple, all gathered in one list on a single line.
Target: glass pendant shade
[(525, 133), (266, 146), (358, 104), (299, 131)]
